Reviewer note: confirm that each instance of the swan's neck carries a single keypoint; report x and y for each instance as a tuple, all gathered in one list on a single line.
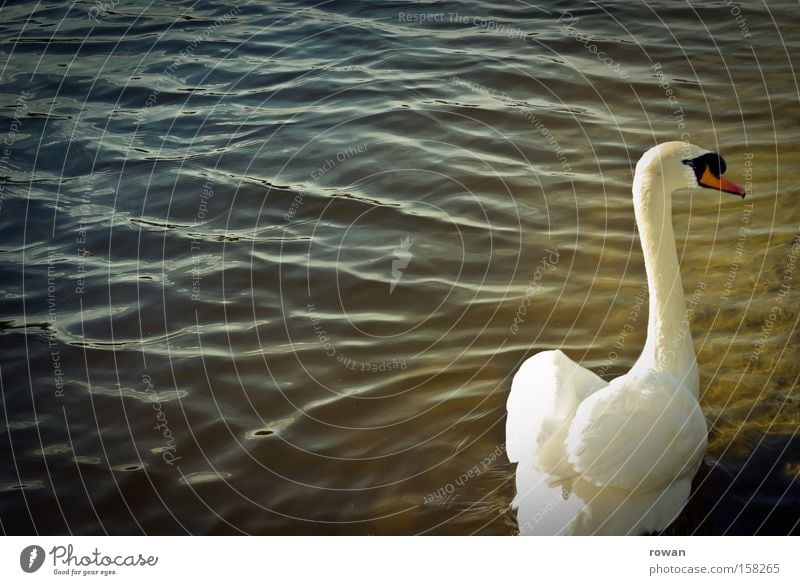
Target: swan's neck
[(669, 344)]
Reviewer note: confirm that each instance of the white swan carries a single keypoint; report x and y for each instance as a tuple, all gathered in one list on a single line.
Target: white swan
[(597, 457)]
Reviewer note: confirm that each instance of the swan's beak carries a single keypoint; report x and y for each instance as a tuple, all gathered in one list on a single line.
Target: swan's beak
[(720, 183)]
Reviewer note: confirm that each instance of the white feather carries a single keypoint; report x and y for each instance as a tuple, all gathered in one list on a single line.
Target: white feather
[(596, 457)]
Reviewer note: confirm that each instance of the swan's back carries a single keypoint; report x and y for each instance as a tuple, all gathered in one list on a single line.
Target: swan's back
[(641, 433), (617, 458)]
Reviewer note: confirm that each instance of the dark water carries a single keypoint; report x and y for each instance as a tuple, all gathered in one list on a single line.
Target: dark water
[(264, 263)]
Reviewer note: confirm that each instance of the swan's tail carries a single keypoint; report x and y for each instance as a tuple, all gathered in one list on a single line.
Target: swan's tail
[(586, 509)]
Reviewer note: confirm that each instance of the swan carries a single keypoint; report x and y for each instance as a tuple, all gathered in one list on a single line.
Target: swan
[(618, 457)]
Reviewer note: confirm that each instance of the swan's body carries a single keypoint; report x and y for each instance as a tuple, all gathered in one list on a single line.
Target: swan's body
[(618, 457)]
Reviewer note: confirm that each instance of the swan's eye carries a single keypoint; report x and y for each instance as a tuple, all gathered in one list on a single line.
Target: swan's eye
[(708, 168), (710, 161)]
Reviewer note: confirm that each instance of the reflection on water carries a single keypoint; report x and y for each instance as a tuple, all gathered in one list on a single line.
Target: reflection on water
[(262, 261)]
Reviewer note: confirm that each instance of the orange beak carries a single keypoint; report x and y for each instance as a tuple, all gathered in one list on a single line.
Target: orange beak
[(720, 183)]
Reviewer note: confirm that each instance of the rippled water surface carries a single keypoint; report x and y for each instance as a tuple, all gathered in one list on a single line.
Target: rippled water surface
[(269, 267)]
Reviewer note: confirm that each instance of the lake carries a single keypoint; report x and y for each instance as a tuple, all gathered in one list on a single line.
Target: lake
[(269, 268)]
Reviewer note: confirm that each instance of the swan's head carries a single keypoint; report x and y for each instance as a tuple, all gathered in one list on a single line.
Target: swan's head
[(681, 165)]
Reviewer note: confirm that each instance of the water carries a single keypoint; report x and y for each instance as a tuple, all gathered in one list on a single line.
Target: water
[(265, 265)]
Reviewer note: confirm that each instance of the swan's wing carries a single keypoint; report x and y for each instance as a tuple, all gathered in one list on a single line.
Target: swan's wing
[(544, 395), (638, 433)]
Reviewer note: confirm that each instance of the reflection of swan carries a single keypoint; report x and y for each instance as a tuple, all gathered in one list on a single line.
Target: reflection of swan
[(618, 457)]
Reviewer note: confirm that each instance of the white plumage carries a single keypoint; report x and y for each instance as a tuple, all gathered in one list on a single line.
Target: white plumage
[(597, 457)]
